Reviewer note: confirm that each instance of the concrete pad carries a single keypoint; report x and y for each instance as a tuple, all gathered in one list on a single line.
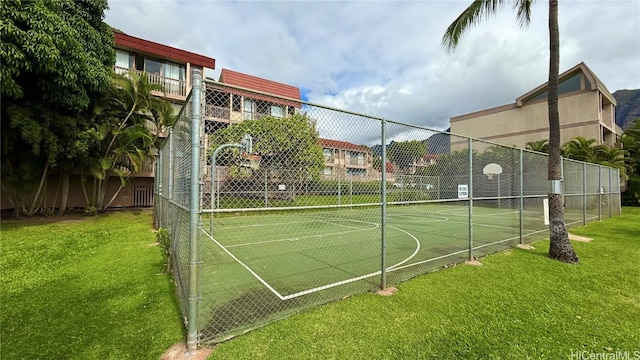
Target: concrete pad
[(179, 352), (525, 247), (473, 262), (579, 238)]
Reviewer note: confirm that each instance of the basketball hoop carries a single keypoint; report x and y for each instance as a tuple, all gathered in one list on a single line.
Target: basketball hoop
[(492, 169)]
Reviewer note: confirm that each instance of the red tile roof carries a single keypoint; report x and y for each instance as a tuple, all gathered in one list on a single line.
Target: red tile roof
[(128, 42), (255, 83), (342, 145)]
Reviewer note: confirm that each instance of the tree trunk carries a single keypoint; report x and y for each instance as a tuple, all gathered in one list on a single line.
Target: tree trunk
[(32, 210), (65, 192), (559, 246), (115, 195)]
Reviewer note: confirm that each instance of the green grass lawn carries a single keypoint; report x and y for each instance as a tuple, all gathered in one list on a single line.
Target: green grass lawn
[(519, 304), (92, 288), (85, 288)]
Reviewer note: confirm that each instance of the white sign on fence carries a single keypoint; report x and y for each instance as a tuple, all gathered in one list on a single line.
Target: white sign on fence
[(463, 191)]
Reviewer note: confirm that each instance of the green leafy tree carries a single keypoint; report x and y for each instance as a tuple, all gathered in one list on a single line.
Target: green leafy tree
[(289, 147), (405, 154), (57, 56), (559, 246), (631, 143)]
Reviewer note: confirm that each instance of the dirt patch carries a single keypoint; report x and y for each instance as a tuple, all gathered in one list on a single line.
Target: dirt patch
[(179, 352), (387, 292)]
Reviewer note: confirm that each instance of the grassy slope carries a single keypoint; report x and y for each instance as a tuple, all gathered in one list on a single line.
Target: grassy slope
[(519, 304), (85, 289)]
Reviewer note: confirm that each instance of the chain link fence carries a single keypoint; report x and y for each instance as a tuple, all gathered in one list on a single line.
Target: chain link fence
[(314, 208)]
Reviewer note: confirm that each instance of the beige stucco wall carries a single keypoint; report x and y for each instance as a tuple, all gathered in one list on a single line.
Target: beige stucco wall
[(76, 194), (511, 125)]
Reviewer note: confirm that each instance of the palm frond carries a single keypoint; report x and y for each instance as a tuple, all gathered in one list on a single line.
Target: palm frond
[(478, 11)]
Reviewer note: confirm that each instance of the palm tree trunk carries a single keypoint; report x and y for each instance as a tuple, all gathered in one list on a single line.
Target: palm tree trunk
[(559, 246)]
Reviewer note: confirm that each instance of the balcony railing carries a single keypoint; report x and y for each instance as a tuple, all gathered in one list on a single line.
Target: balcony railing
[(147, 170), (217, 112), (171, 86)]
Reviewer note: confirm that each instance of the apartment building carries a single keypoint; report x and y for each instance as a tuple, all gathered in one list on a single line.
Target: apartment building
[(344, 159), (586, 107), (166, 66)]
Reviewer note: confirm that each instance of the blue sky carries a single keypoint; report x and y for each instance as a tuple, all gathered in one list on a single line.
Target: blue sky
[(385, 58)]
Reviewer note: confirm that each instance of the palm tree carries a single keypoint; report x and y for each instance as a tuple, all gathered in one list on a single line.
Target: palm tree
[(559, 247), (539, 146), (582, 149), (127, 133), (615, 158)]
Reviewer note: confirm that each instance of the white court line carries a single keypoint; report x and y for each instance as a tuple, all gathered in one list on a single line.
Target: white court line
[(484, 225), (266, 284), (362, 277), (261, 225), (323, 287), (310, 236), (347, 226)]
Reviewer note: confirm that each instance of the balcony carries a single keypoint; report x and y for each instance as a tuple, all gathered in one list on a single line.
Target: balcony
[(173, 88), (217, 112), (147, 170)]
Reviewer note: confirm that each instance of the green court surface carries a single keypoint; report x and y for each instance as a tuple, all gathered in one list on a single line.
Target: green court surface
[(299, 252)]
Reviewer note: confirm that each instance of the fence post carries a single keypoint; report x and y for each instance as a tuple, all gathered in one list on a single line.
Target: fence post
[(339, 190), (194, 213), (600, 191), (470, 194), (610, 195), (521, 197), (170, 185), (618, 192), (584, 193), (383, 215)]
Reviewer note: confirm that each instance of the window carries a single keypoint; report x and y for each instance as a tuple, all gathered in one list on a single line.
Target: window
[(263, 107), (327, 170), (152, 66), (568, 85), (291, 110), (173, 71), (218, 98), (276, 111), (360, 158), (249, 106), (124, 61), (328, 154), (356, 172), (236, 103)]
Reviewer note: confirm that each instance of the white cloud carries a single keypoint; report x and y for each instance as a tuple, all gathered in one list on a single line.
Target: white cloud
[(384, 58)]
